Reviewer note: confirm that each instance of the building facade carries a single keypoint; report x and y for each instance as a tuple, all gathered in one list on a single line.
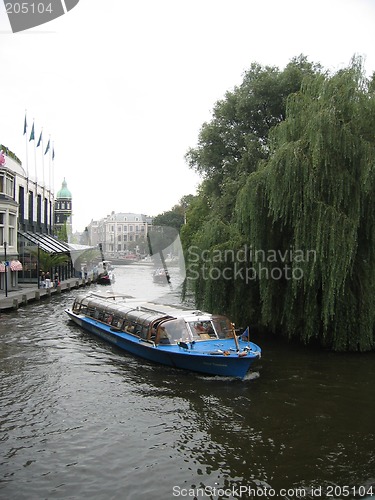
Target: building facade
[(26, 223), (120, 233), (63, 211)]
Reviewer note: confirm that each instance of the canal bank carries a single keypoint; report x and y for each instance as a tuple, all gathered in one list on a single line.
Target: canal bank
[(31, 293)]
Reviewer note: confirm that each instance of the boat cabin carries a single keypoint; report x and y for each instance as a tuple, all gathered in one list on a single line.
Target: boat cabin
[(153, 323)]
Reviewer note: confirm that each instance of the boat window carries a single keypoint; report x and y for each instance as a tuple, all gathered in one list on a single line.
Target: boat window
[(170, 332), (202, 330), (117, 322), (130, 327), (223, 326), (144, 332), (76, 306), (91, 311)]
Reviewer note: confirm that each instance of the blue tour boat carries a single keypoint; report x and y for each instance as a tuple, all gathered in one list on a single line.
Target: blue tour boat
[(173, 336)]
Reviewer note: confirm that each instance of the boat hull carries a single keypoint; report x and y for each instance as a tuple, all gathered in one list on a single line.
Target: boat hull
[(204, 357)]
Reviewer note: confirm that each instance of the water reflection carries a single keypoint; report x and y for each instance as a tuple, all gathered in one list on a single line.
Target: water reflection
[(81, 419)]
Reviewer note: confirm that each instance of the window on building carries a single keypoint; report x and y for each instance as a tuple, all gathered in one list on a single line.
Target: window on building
[(10, 186), (31, 206), (2, 223), (7, 184), (131, 229), (125, 229), (12, 230), (21, 201), (39, 209), (45, 212)]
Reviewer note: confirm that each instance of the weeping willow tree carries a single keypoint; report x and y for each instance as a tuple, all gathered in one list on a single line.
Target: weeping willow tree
[(229, 149), (311, 207)]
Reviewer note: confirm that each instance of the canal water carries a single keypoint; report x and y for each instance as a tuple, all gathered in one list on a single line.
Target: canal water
[(80, 419)]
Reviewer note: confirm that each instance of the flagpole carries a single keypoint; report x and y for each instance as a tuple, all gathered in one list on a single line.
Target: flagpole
[(44, 182), (48, 150), (40, 142), (36, 167), (53, 165), (32, 138), (27, 155)]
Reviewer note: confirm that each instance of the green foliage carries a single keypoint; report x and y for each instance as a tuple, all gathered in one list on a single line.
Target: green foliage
[(288, 161), (48, 262), (171, 218), (62, 234), (232, 144), (317, 190), (176, 216)]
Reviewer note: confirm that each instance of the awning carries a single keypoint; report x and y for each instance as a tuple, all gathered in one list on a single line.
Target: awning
[(15, 265), (45, 242)]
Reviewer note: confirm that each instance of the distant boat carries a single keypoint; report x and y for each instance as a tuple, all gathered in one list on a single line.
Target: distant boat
[(106, 275), (161, 276), (125, 260), (177, 337)]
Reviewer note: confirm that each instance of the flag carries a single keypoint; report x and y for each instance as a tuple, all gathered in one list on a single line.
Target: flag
[(47, 148), (25, 126), (32, 137), (40, 140), (53, 153), (245, 335)]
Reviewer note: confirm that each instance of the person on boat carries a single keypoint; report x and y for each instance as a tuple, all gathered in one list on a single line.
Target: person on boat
[(48, 280), (199, 328)]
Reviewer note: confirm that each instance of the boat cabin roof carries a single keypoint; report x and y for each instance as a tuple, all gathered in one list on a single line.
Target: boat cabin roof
[(167, 323), (142, 312)]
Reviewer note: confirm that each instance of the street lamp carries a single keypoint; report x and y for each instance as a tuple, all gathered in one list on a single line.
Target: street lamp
[(6, 269)]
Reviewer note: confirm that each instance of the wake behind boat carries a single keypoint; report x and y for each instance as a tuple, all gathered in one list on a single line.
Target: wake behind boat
[(182, 338)]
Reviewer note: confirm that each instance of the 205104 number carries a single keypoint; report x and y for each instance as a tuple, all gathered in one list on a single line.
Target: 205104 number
[(28, 8)]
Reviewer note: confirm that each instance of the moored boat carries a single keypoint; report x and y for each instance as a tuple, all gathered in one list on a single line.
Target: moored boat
[(106, 278), (161, 276), (105, 274), (181, 338)]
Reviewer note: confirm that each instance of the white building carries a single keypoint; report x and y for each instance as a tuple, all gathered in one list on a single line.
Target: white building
[(26, 223), (120, 233)]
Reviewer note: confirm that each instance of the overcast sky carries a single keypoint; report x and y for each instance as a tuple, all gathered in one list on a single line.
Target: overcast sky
[(122, 87)]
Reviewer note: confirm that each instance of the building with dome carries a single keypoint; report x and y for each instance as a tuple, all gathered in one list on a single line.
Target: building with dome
[(63, 210)]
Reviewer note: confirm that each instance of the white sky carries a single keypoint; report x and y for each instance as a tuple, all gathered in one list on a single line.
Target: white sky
[(122, 87)]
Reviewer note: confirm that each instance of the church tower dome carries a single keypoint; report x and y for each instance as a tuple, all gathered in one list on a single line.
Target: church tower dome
[(63, 212)]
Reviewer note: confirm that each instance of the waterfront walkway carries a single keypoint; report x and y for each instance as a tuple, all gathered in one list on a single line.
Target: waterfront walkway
[(30, 293)]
